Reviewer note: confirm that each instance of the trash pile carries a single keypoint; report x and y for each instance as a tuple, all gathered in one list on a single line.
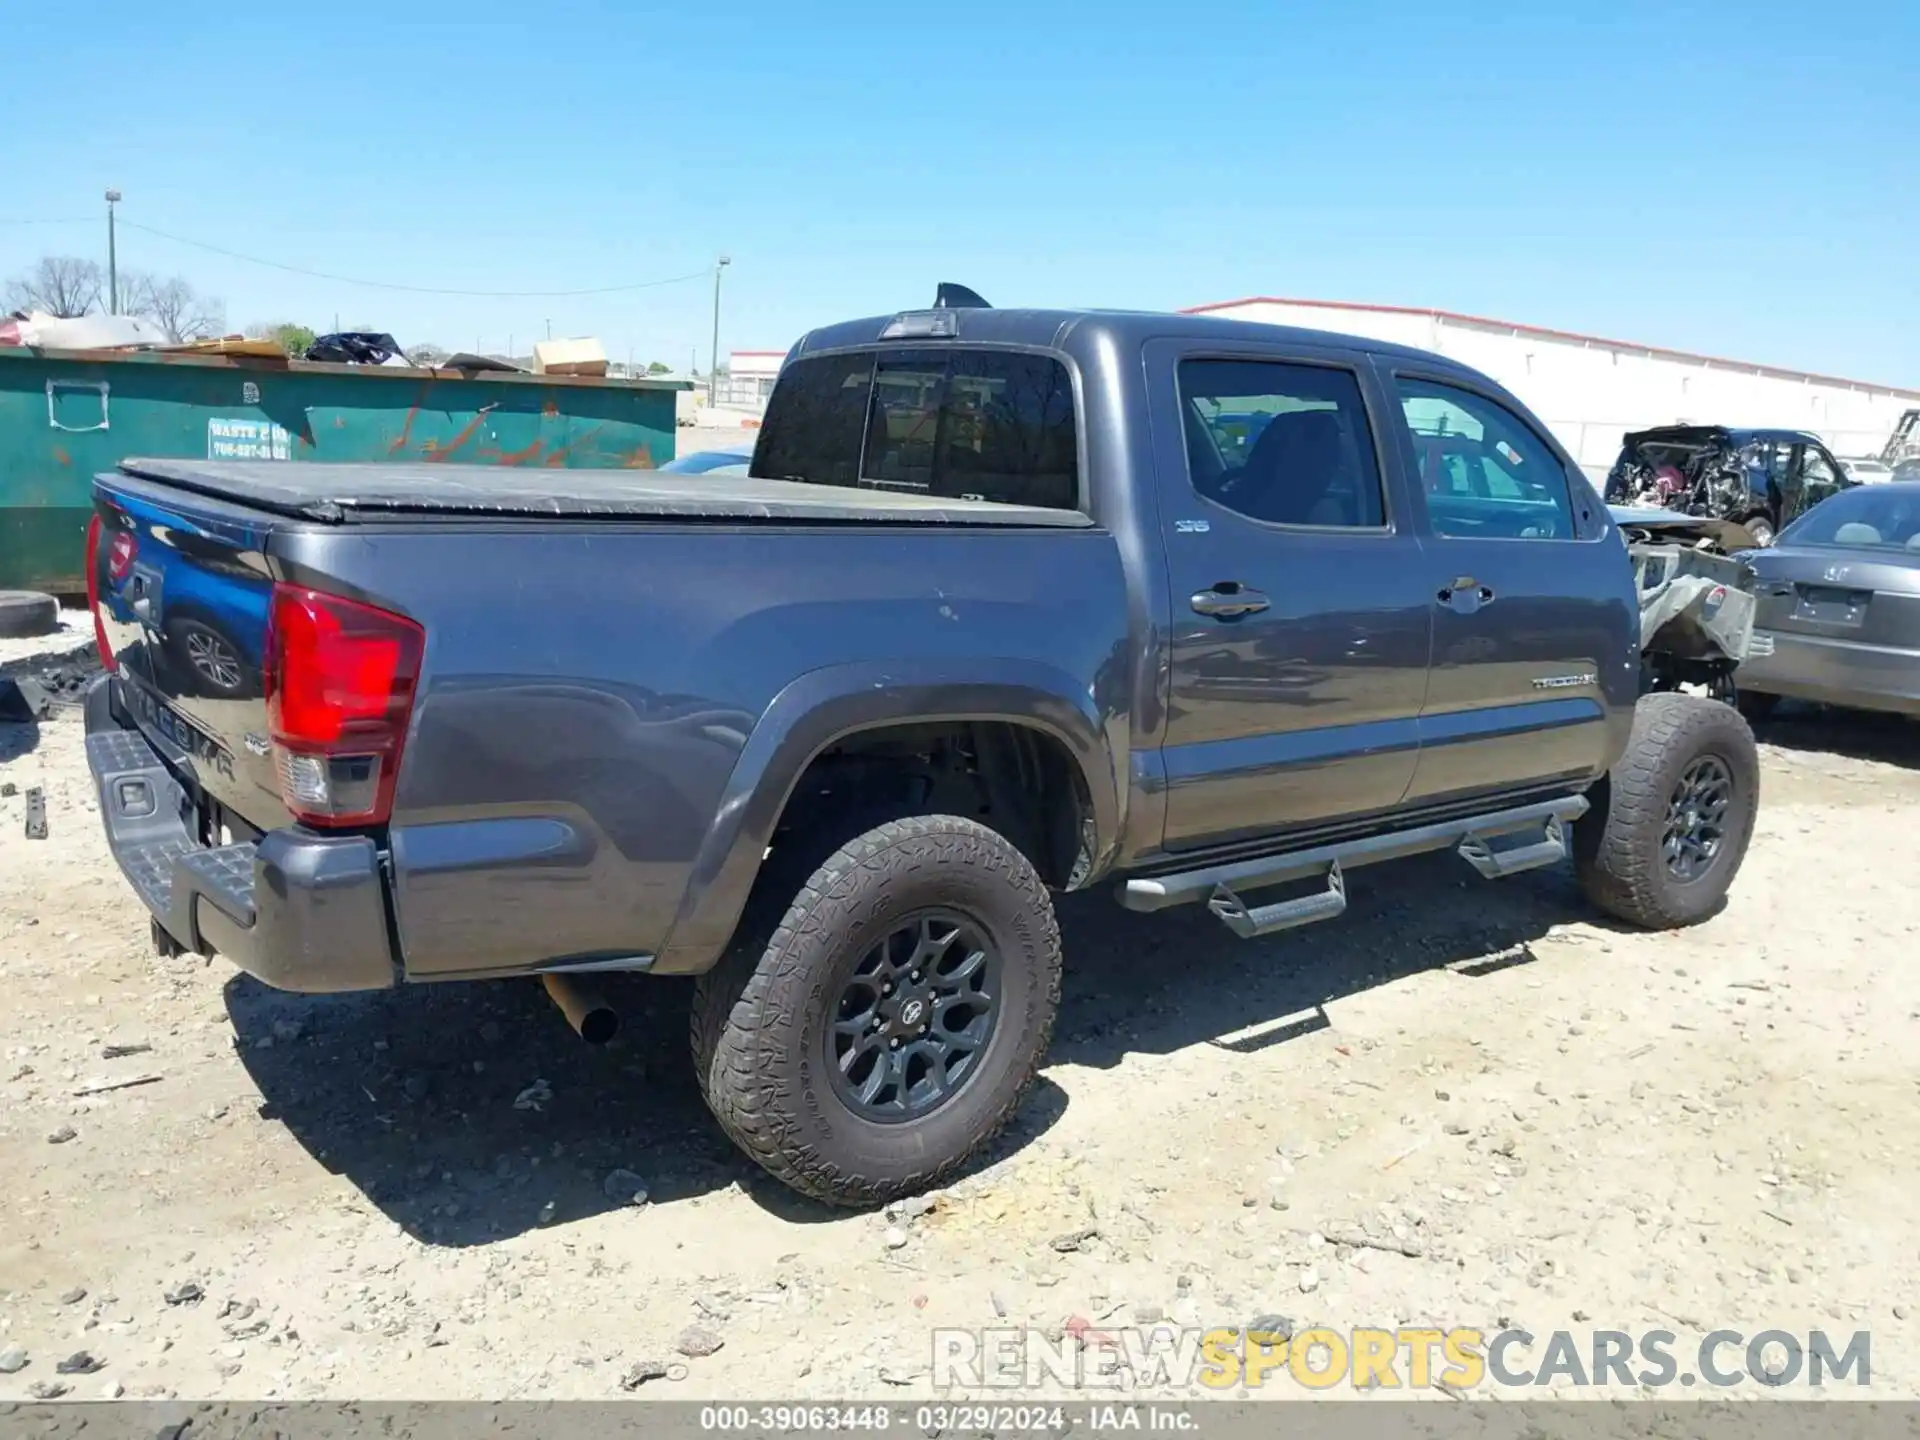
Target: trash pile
[(41, 331)]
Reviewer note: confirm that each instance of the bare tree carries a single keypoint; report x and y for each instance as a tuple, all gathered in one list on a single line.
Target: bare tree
[(427, 356), (181, 312), (61, 285)]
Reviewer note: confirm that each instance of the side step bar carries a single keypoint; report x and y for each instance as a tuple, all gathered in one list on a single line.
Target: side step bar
[(1503, 843)]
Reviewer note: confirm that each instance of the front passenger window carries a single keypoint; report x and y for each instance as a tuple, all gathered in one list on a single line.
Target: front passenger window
[(1485, 472)]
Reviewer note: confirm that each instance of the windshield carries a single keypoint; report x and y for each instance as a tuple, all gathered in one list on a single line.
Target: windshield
[(1882, 517)]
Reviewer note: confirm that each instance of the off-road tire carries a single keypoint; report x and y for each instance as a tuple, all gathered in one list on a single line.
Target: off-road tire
[(1617, 843), (25, 613), (758, 1016)]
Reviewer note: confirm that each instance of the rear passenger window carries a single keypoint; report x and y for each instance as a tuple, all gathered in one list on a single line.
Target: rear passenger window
[(1285, 444), (972, 424), (1009, 431), (1485, 472), (815, 420)]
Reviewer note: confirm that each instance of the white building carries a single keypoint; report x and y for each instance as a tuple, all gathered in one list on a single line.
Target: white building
[(749, 379), (1590, 391)]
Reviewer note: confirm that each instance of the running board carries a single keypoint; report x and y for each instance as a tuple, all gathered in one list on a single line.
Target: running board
[(1250, 924), (1547, 847), (1531, 836)]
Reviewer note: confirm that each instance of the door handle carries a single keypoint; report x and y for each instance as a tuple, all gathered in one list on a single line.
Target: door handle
[(1229, 600), (1465, 595)]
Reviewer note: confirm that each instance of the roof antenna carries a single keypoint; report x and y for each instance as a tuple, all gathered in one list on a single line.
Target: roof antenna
[(957, 297)]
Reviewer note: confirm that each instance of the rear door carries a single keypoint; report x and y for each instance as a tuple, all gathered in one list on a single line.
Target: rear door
[(1300, 624), (1535, 621), (1820, 476)]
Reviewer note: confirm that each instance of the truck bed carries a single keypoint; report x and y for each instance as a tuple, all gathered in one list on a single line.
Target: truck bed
[(364, 494)]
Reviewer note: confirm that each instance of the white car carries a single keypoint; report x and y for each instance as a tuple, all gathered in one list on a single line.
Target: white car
[(1867, 471)]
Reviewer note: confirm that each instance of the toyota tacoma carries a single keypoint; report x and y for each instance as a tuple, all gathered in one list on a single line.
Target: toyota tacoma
[(1011, 602)]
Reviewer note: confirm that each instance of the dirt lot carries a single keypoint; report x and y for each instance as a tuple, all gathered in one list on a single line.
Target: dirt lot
[(406, 1195)]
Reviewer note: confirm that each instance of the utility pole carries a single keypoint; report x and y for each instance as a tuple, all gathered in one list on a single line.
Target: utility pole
[(549, 329), (113, 259), (713, 361)]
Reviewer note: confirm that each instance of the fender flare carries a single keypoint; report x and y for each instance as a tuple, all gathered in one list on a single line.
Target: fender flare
[(825, 706)]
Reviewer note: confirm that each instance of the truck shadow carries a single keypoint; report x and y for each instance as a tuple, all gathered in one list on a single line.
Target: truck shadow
[(17, 738), (1854, 734), (471, 1113), (1163, 982)]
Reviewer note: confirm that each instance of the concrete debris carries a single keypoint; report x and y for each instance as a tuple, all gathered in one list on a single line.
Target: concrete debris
[(697, 1342), (641, 1371)]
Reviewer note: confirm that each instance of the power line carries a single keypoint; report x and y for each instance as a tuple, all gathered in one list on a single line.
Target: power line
[(414, 289)]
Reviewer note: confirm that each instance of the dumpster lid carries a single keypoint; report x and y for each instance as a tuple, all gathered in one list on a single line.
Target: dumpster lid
[(368, 493)]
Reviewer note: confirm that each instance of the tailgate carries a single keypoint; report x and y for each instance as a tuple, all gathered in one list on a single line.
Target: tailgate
[(183, 591)]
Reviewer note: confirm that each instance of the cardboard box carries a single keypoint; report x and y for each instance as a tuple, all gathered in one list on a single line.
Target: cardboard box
[(569, 357)]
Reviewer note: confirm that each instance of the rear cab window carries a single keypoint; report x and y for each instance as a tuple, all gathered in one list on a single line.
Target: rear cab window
[(957, 423)]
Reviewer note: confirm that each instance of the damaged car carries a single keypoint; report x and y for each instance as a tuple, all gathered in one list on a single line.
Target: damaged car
[(1762, 480), (1697, 598)]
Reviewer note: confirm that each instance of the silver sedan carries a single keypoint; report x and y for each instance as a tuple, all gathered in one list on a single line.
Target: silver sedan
[(1838, 619)]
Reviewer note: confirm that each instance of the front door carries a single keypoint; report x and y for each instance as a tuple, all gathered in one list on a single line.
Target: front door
[(1536, 625), (1300, 623)]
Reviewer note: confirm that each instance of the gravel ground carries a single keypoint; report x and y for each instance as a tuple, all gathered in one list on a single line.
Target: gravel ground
[(413, 1195)]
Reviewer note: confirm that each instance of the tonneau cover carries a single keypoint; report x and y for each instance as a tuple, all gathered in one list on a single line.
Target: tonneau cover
[(343, 494)]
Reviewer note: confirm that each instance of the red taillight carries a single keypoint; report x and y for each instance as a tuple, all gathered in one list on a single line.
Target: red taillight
[(100, 640), (339, 683), (120, 555)]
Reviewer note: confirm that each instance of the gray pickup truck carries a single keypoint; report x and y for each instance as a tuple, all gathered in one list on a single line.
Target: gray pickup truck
[(1011, 602)]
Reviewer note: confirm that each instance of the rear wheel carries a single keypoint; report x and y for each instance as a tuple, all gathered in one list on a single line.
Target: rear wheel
[(895, 1018), (1671, 823), (1760, 528)]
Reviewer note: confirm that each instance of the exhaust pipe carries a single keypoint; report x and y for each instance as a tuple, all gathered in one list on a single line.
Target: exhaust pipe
[(592, 1018)]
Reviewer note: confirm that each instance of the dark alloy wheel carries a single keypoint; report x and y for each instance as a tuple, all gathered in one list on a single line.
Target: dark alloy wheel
[(209, 660), (1669, 825), (1697, 819), (219, 667), (914, 1017), (881, 1019)]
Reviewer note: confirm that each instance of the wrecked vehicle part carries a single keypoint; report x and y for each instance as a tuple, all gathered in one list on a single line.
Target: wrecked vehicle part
[(1764, 479), (1696, 600)]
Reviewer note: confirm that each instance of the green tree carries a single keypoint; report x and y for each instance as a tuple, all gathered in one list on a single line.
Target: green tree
[(292, 338), (656, 368)]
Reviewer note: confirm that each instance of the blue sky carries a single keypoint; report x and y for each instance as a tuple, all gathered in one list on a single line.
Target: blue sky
[(1737, 178)]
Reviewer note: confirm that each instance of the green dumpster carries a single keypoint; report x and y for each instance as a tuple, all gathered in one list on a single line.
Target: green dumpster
[(66, 415)]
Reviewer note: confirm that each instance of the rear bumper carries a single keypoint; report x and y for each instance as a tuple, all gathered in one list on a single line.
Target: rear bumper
[(298, 911), (1833, 672)]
